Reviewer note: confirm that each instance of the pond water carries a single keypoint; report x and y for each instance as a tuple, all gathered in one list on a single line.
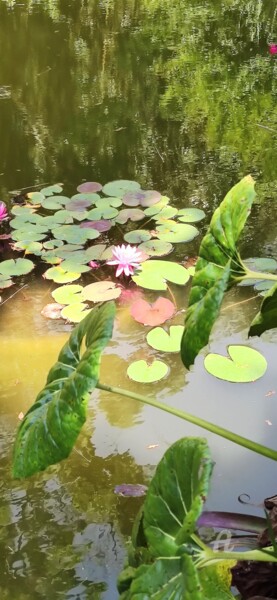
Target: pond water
[(182, 99)]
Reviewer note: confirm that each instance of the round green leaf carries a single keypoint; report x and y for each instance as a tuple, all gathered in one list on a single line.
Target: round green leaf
[(244, 365), (134, 214), (59, 275), (60, 217), (156, 247), (120, 187), (75, 234), (22, 210), (50, 190), (54, 202), (68, 294), (157, 208), (176, 232), (154, 274), (104, 212), (23, 220), (28, 235), (74, 266), (141, 372), (19, 266), (86, 196), (35, 197), (66, 250), (159, 339), (101, 291), (190, 215), (51, 244), (29, 247), (75, 312), (137, 236), (166, 213)]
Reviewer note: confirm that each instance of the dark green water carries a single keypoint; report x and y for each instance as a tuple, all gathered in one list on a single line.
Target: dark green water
[(182, 99)]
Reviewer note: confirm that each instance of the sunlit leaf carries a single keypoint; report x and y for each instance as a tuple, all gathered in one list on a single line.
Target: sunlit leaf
[(52, 311), (51, 244), (244, 365), (166, 213), (68, 294), (101, 291), (120, 187), (75, 312), (30, 234), (73, 234), (137, 236), (190, 215), (156, 247), (29, 247), (165, 341), (59, 275), (19, 266), (155, 273), (74, 266), (35, 197), (142, 372), (176, 232), (152, 314)]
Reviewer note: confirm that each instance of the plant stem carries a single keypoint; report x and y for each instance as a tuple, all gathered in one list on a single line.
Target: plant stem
[(225, 433), (258, 275), (256, 555)]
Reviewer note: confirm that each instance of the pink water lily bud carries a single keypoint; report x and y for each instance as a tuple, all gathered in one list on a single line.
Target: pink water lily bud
[(94, 265), (127, 259), (3, 211), (273, 49)]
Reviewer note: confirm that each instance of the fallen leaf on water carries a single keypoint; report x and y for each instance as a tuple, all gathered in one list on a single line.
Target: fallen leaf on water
[(21, 416), (270, 393), (52, 310), (152, 446), (152, 314)]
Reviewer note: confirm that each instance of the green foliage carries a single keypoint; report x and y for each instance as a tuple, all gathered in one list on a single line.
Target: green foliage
[(267, 317), (244, 365), (50, 428)]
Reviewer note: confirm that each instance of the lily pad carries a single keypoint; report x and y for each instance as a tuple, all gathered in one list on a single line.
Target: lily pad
[(244, 365), (86, 196), (137, 236), (78, 254), (152, 314), (22, 210), (141, 197), (73, 234), (176, 232), (101, 226), (54, 202), (101, 291), (35, 197), (59, 275), (50, 190), (30, 234), (155, 273), (120, 187), (60, 217), (19, 266), (51, 244), (68, 294), (52, 311), (67, 249), (23, 220), (29, 247), (132, 214), (190, 215), (79, 204), (156, 248), (159, 339), (75, 312), (142, 372), (74, 267), (166, 213), (5, 282), (89, 187), (157, 208)]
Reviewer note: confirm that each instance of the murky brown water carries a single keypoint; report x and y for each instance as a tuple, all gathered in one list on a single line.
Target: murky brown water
[(92, 89)]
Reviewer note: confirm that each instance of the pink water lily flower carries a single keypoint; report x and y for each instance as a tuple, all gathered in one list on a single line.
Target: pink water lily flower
[(3, 211), (273, 49), (127, 258)]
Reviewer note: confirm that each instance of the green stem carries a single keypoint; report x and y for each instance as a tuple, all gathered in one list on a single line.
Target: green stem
[(257, 275), (256, 555), (225, 433)]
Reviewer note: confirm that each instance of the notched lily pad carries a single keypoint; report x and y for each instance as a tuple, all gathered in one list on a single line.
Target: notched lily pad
[(244, 365), (101, 291), (164, 341), (120, 187), (156, 248), (132, 214), (152, 314), (54, 202), (75, 312), (50, 190), (19, 266), (89, 187), (157, 208), (142, 372), (101, 226), (35, 197), (59, 275), (155, 273), (68, 294), (176, 232), (137, 236), (144, 198), (190, 215), (73, 234)]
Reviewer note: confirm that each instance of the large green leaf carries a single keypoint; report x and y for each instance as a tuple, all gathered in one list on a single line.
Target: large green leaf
[(244, 365), (154, 274), (218, 266), (19, 266), (267, 317), (51, 426), (176, 495)]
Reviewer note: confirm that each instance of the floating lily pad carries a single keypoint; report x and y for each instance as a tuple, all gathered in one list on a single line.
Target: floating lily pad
[(51, 244), (78, 254), (30, 234), (21, 221), (60, 217), (190, 215), (106, 211), (142, 372), (101, 291), (107, 254), (79, 204), (157, 208), (89, 187), (73, 234), (29, 247), (35, 197), (141, 197), (244, 365), (54, 202), (120, 187), (102, 225), (75, 312), (5, 282), (166, 213), (156, 247), (137, 236), (155, 273), (74, 266), (176, 232), (50, 190), (132, 214), (66, 249), (159, 339), (22, 210), (152, 314), (59, 275), (52, 311), (86, 196), (19, 266), (68, 294)]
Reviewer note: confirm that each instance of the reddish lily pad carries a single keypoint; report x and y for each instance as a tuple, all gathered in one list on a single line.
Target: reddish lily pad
[(52, 310), (89, 187), (152, 314), (141, 197), (120, 187), (102, 225), (132, 214), (79, 204)]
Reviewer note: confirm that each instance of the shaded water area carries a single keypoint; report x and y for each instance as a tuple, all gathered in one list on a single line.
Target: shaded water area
[(181, 99)]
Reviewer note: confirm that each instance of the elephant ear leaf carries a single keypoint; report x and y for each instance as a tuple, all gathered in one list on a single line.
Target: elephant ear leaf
[(267, 317), (218, 266), (51, 426)]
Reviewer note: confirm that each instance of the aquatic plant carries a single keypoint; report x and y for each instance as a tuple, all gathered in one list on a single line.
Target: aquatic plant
[(127, 258), (3, 211)]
